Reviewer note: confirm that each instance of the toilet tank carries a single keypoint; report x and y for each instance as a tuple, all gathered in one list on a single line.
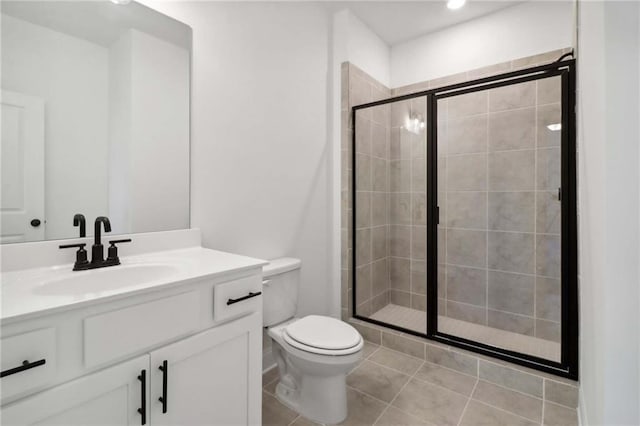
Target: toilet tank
[(280, 281)]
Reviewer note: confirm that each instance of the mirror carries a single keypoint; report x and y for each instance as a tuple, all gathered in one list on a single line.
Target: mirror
[(95, 118)]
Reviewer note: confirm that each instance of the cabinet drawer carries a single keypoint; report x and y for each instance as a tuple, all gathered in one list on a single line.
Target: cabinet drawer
[(235, 298), (28, 361), (118, 333)]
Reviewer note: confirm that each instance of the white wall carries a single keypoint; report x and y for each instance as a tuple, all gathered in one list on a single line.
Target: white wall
[(366, 50), (609, 163), (260, 153), (44, 63), (515, 32)]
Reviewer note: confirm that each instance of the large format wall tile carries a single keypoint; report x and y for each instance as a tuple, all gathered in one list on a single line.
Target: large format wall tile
[(379, 277), (512, 211), (466, 173), (379, 243), (467, 285), (379, 174), (511, 252), (465, 105), (400, 175), (419, 242), (549, 90), (466, 210), (400, 274), (363, 210), (363, 278), (548, 115), (512, 129), (400, 208), (548, 296), (510, 322), (465, 312), (400, 240), (467, 248), (548, 255), (511, 171), (548, 170), (512, 96), (467, 135), (379, 208), (548, 330), (549, 213), (363, 172), (511, 292)]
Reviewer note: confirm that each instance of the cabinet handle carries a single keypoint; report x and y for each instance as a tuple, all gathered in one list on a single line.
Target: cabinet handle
[(143, 396), (165, 371), (240, 299), (26, 365)]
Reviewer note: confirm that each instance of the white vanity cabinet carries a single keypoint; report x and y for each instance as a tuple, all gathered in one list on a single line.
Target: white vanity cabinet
[(109, 397), (161, 358), (209, 378)]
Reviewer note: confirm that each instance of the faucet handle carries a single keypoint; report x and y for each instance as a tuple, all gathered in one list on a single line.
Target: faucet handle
[(79, 245), (81, 254), (112, 252), (114, 242)]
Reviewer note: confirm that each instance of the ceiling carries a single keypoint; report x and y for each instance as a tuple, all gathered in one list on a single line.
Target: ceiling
[(100, 22), (398, 21)]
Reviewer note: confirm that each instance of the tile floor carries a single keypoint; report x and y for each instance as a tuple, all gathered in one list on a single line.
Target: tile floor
[(391, 388), (414, 319)]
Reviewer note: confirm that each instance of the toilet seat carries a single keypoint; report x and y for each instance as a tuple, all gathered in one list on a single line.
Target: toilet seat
[(323, 335)]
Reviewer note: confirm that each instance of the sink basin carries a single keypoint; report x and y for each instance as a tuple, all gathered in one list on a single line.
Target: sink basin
[(106, 279)]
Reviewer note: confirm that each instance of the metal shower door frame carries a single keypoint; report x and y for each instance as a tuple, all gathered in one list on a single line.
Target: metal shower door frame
[(568, 365)]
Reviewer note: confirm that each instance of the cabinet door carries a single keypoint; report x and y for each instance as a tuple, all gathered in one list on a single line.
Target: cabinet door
[(110, 397), (212, 378)]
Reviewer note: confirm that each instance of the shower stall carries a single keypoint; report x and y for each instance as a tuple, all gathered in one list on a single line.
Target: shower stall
[(464, 215)]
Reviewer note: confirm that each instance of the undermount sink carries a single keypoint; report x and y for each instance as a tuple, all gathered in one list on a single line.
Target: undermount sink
[(111, 278)]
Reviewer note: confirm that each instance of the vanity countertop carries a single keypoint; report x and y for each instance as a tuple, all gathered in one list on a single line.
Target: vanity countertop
[(36, 291)]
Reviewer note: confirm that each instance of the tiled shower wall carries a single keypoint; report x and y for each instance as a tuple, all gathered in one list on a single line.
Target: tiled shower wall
[(407, 207), (372, 192), (483, 223), (498, 180)]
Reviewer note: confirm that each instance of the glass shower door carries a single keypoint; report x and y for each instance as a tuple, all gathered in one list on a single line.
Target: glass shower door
[(390, 214), (499, 234)]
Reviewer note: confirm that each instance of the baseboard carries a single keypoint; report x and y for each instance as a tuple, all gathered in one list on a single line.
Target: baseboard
[(582, 410), (267, 361)]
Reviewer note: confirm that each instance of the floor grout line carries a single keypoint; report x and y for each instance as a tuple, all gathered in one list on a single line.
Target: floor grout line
[(464, 410)]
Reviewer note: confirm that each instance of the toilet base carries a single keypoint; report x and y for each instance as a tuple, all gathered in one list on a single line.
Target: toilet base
[(313, 385), (320, 399)]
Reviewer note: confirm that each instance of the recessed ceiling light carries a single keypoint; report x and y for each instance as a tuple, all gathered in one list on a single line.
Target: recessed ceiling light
[(120, 1), (455, 4)]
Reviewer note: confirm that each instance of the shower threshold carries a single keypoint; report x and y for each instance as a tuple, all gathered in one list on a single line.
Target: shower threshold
[(416, 320)]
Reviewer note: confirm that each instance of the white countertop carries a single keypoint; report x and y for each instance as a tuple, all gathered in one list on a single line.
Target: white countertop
[(29, 292)]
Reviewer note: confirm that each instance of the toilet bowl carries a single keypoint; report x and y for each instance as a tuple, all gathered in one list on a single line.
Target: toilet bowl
[(313, 353)]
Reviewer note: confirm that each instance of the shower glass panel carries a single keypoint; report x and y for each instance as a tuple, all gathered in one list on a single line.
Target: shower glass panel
[(499, 231), (390, 219), (464, 216)]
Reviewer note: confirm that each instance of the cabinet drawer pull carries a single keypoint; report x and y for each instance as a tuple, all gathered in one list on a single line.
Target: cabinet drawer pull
[(26, 365), (165, 371), (143, 396), (240, 299)]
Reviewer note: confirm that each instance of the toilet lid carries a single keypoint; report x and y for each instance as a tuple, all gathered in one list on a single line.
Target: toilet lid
[(323, 333)]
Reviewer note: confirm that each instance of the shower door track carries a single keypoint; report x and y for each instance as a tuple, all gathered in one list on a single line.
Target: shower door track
[(568, 365)]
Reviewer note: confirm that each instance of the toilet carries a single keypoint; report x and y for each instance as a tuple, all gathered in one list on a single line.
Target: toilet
[(313, 353)]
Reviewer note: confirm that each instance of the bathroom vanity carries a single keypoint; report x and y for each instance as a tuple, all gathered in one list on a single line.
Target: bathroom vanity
[(170, 336)]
